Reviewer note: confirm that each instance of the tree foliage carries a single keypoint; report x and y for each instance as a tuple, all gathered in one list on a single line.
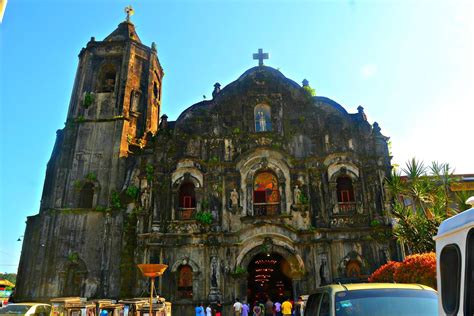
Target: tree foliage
[(422, 200), (8, 276)]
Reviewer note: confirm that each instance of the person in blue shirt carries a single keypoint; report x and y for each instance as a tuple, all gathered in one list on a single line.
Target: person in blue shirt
[(199, 310)]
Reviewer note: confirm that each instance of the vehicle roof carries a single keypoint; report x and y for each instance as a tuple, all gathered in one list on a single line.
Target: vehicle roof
[(370, 286), (456, 222)]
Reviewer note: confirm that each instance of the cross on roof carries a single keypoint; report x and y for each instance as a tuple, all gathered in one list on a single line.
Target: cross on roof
[(129, 11), (260, 56)]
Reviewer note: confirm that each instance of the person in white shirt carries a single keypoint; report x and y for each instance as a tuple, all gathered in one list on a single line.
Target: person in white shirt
[(208, 310), (237, 307)]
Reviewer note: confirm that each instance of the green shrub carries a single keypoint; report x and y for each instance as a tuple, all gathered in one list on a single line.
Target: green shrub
[(115, 200), (88, 100), (204, 217), (132, 191)]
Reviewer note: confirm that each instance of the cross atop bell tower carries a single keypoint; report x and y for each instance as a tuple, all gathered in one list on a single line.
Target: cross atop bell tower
[(260, 56), (129, 11)]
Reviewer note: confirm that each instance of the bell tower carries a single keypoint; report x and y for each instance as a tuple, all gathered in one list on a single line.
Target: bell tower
[(115, 104)]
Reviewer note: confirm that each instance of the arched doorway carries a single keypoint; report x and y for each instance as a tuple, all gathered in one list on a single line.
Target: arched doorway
[(269, 276)]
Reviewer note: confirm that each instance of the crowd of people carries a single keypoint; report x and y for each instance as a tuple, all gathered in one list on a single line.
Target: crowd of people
[(258, 308)]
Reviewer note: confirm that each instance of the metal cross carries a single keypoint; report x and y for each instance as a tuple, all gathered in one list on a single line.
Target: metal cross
[(260, 56), (129, 11)]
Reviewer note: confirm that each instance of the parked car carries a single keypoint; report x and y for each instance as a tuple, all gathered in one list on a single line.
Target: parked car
[(26, 309), (384, 299)]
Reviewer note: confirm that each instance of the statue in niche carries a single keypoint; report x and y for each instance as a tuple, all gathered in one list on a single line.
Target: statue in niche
[(296, 195), (234, 198), (214, 272), (145, 198), (324, 271), (262, 122)]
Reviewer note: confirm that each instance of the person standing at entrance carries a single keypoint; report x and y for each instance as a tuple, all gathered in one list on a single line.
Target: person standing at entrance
[(299, 307), (286, 308), (237, 307), (218, 308), (269, 307), (208, 310), (278, 309), (199, 310), (245, 309)]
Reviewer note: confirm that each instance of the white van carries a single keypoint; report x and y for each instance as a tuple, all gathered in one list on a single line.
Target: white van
[(455, 263)]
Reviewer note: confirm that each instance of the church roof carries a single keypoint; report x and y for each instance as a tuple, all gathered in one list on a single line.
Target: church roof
[(259, 73), (125, 31)]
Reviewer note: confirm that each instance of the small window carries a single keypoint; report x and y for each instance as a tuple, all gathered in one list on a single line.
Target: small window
[(263, 118), (325, 306), (134, 101), (345, 190), (266, 195), (469, 283), (107, 77), (450, 270), (185, 282), (156, 91), (86, 196), (187, 200)]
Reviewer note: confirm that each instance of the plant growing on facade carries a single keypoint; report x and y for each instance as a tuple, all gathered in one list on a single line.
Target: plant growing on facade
[(91, 176), (73, 256), (115, 200), (88, 100), (204, 217), (149, 169), (238, 272), (303, 199), (310, 91), (132, 191)]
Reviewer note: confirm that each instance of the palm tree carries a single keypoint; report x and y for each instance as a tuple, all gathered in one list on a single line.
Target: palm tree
[(421, 201)]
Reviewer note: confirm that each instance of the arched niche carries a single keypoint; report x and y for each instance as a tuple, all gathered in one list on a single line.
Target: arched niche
[(88, 194), (344, 176), (196, 275), (186, 175), (264, 160), (72, 277)]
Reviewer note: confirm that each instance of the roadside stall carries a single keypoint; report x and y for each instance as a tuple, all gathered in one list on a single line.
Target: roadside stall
[(110, 308), (159, 308), (6, 290), (72, 306), (132, 305)]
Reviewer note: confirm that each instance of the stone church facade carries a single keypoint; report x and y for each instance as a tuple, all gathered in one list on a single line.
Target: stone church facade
[(262, 190)]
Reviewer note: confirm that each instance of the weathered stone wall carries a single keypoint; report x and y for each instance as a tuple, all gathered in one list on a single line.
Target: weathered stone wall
[(70, 250)]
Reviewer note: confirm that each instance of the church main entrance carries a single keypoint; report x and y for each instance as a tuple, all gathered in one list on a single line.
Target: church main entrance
[(268, 276)]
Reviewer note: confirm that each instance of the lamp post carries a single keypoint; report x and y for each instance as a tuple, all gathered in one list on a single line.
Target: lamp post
[(152, 270)]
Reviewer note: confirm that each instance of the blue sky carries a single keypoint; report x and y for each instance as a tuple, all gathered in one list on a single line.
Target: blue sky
[(408, 63)]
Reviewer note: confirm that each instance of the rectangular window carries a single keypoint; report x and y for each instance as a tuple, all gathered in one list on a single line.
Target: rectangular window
[(187, 202), (345, 196)]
